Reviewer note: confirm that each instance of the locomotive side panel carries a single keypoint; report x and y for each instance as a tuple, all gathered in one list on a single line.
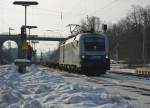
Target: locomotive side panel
[(75, 51), (61, 55), (69, 53)]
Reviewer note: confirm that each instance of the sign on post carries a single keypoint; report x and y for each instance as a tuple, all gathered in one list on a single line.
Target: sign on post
[(25, 45)]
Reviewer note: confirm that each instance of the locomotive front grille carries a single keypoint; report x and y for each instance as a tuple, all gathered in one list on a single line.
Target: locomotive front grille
[(93, 62)]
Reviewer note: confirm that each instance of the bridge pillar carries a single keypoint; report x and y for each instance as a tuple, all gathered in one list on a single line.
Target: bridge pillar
[(17, 39), (19, 49), (1, 44)]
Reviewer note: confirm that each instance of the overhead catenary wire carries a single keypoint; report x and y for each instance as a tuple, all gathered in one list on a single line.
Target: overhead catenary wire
[(47, 11), (105, 7), (57, 13), (61, 17), (61, 14)]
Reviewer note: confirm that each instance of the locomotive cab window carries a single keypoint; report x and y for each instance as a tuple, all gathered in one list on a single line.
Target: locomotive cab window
[(94, 44)]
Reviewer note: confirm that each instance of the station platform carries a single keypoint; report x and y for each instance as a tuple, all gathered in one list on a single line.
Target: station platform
[(143, 71), (123, 71)]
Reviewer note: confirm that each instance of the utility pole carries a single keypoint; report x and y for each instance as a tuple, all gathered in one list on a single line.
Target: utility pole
[(143, 52), (30, 27), (10, 30), (144, 39), (9, 42)]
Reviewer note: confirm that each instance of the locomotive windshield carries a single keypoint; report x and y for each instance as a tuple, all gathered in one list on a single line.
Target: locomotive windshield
[(94, 44)]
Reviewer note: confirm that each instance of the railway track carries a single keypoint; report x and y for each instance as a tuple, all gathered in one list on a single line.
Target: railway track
[(125, 74), (134, 88)]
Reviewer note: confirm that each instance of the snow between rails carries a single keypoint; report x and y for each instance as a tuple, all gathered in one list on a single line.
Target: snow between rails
[(40, 88)]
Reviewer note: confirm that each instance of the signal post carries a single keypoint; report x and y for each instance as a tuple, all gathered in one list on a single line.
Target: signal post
[(23, 62)]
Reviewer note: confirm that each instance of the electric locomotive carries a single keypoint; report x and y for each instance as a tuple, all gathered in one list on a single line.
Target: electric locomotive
[(86, 53)]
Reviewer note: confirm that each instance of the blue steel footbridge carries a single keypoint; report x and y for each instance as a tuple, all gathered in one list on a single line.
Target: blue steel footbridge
[(18, 40)]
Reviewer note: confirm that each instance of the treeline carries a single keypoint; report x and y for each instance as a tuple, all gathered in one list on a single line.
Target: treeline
[(130, 37), (52, 56)]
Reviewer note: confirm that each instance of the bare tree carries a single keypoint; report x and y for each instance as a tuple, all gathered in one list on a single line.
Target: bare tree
[(126, 37), (90, 24)]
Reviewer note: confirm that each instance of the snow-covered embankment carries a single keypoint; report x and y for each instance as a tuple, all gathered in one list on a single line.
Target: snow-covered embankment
[(40, 88)]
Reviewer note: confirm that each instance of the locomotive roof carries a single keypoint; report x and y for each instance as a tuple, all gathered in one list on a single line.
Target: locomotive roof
[(77, 37)]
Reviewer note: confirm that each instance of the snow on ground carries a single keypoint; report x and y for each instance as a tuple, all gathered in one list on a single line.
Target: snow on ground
[(40, 88), (132, 71)]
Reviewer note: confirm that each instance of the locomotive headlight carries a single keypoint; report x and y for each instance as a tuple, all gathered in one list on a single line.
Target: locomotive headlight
[(106, 56), (83, 56)]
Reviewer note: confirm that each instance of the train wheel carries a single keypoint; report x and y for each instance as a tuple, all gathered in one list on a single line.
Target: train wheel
[(73, 69)]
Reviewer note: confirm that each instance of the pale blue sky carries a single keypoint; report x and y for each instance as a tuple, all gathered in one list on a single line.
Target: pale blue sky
[(47, 15)]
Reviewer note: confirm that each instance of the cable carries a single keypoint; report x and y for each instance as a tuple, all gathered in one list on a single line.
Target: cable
[(73, 8), (47, 10), (59, 12), (107, 5), (61, 18)]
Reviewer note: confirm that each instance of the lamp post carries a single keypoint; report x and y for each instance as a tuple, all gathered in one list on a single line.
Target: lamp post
[(30, 27), (10, 30), (9, 42), (25, 4)]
